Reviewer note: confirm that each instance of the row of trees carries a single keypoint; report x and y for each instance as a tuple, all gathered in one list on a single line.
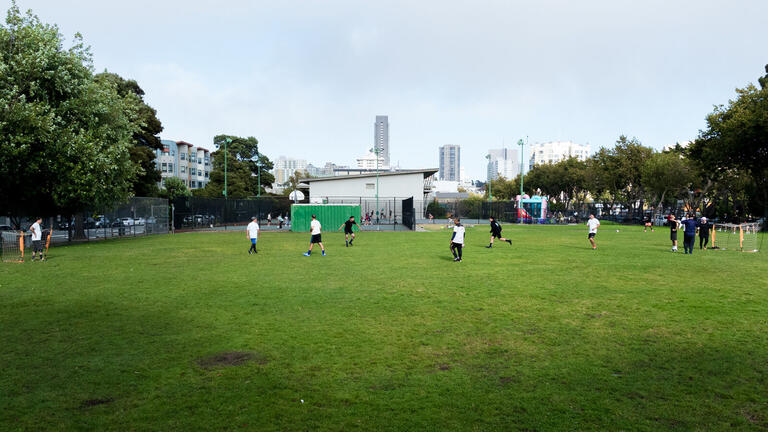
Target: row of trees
[(723, 172), (72, 139)]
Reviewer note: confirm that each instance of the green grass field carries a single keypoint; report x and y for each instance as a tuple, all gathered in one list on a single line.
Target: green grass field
[(387, 335)]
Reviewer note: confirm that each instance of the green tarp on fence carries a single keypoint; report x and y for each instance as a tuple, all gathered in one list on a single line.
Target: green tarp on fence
[(331, 216)]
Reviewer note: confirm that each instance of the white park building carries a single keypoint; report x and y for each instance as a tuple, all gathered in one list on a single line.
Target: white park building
[(393, 187)]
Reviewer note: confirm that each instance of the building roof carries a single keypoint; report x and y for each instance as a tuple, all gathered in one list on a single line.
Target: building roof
[(426, 172)]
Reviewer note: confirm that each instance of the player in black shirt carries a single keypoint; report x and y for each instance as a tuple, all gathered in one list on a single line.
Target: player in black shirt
[(704, 228), (674, 225), (348, 231), (496, 232)]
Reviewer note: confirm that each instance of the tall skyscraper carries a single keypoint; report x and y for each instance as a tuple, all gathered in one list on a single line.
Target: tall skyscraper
[(450, 162), (503, 162), (381, 137)]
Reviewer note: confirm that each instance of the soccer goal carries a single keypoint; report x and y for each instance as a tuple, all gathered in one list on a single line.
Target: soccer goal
[(744, 237), (12, 246)]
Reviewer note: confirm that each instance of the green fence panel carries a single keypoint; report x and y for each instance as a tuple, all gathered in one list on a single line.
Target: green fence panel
[(331, 216)]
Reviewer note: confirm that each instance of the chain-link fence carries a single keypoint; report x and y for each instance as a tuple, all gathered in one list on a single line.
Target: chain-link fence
[(138, 216), (190, 213)]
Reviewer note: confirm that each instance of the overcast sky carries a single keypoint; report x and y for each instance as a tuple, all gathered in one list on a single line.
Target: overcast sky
[(307, 78)]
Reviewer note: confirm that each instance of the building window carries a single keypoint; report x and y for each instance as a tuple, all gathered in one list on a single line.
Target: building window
[(370, 186), (183, 156), (170, 167), (199, 173), (199, 161), (183, 169), (206, 174), (165, 167)]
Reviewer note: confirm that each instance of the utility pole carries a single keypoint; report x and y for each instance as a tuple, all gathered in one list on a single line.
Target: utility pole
[(521, 143), (226, 197), (376, 152)]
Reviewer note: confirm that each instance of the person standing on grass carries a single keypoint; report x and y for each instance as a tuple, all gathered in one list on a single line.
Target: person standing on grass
[(252, 231), (314, 228), (269, 219), (457, 240), (689, 233), (37, 238), (280, 221), (593, 224), (647, 224), (704, 228), (348, 230), (674, 225), (496, 232)]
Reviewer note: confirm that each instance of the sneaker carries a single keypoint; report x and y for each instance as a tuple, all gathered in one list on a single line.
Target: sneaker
[(306, 253), (458, 260), (455, 260), (510, 242), (250, 252), (323, 253), (488, 247)]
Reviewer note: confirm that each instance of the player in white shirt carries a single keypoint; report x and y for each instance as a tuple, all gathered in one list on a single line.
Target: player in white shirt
[(314, 228), (37, 238), (592, 223), (457, 240), (252, 231)]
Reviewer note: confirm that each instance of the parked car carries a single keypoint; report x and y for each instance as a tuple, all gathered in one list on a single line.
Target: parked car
[(5, 228), (127, 221)]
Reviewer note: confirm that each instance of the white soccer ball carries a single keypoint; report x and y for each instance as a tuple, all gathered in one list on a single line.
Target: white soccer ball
[(617, 230)]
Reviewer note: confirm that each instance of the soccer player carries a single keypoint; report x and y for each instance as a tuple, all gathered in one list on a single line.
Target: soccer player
[(37, 236), (648, 224), (673, 227), (496, 232), (314, 228), (457, 240), (252, 231), (704, 228), (689, 233), (592, 223), (348, 231)]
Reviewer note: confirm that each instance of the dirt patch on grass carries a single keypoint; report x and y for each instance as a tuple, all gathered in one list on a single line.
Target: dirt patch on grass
[(93, 402), (444, 367), (230, 358)]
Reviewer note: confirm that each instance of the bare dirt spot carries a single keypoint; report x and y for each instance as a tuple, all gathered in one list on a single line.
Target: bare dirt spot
[(505, 380), (230, 358), (444, 367), (93, 402)]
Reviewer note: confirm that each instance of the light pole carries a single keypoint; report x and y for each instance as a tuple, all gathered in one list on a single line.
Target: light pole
[(258, 165), (521, 143), (375, 151), (226, 196)]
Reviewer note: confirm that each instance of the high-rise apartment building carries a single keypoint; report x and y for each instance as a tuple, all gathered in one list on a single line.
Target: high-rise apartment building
[(183, 160), (556, 151), (450, 162), (381, 137), (503, 162), (285, 167)]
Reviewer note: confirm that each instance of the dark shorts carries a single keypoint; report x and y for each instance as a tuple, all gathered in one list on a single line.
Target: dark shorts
[(457, 245), (591, 235), (348, 232), (673, 235), (496, 235), (316, 238), (37, 246)]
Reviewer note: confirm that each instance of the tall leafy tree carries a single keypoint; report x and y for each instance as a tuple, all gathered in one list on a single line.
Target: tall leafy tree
[(667, 176), (64, 137), (244, 166), (145, 139), (736, 138)]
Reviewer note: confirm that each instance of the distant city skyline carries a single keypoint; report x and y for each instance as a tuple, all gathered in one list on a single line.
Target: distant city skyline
[(308, 80)]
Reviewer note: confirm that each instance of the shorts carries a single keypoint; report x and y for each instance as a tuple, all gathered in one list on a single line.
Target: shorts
[(647, 224), (673, 236), (253, 240), (591, 235), (37, 246), (316, 238), (348, 232), (496, 235)]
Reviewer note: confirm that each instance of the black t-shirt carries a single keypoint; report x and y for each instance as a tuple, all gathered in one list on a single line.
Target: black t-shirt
[(672, 225), (348, 225), (704, 229), (495, 227)]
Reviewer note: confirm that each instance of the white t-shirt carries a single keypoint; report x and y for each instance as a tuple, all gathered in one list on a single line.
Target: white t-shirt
[(459, 231), (315, 227), (37, 233), (253, 230), (593, 224)]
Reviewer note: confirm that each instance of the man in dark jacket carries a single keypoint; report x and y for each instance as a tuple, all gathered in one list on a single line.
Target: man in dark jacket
[(496, 233)]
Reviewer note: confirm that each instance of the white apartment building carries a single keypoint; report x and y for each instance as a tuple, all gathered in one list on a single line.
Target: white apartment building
[(504, 162), (285, 167), (368, 162), (556, 151), (183, 160)]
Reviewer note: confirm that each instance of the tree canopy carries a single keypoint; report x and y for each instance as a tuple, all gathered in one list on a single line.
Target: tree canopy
[(64, 136), (244, 165)]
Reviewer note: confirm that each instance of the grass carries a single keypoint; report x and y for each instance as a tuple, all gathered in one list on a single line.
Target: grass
[(387, 335)]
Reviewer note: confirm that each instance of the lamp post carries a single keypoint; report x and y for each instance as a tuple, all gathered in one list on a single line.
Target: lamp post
[(521, 143), (258, 165), (226, 196), (375, 151)]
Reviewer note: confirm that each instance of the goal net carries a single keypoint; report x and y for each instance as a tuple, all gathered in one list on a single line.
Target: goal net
[(743, 237), (13, 243)]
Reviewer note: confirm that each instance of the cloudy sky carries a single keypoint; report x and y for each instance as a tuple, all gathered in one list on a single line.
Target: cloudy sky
[(307, 78)]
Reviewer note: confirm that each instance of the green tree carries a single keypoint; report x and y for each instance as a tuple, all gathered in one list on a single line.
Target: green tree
[(504, 189), (736, 138), (244, 165), (64, 137), (667, 176), (175, 188), (145, 139)]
